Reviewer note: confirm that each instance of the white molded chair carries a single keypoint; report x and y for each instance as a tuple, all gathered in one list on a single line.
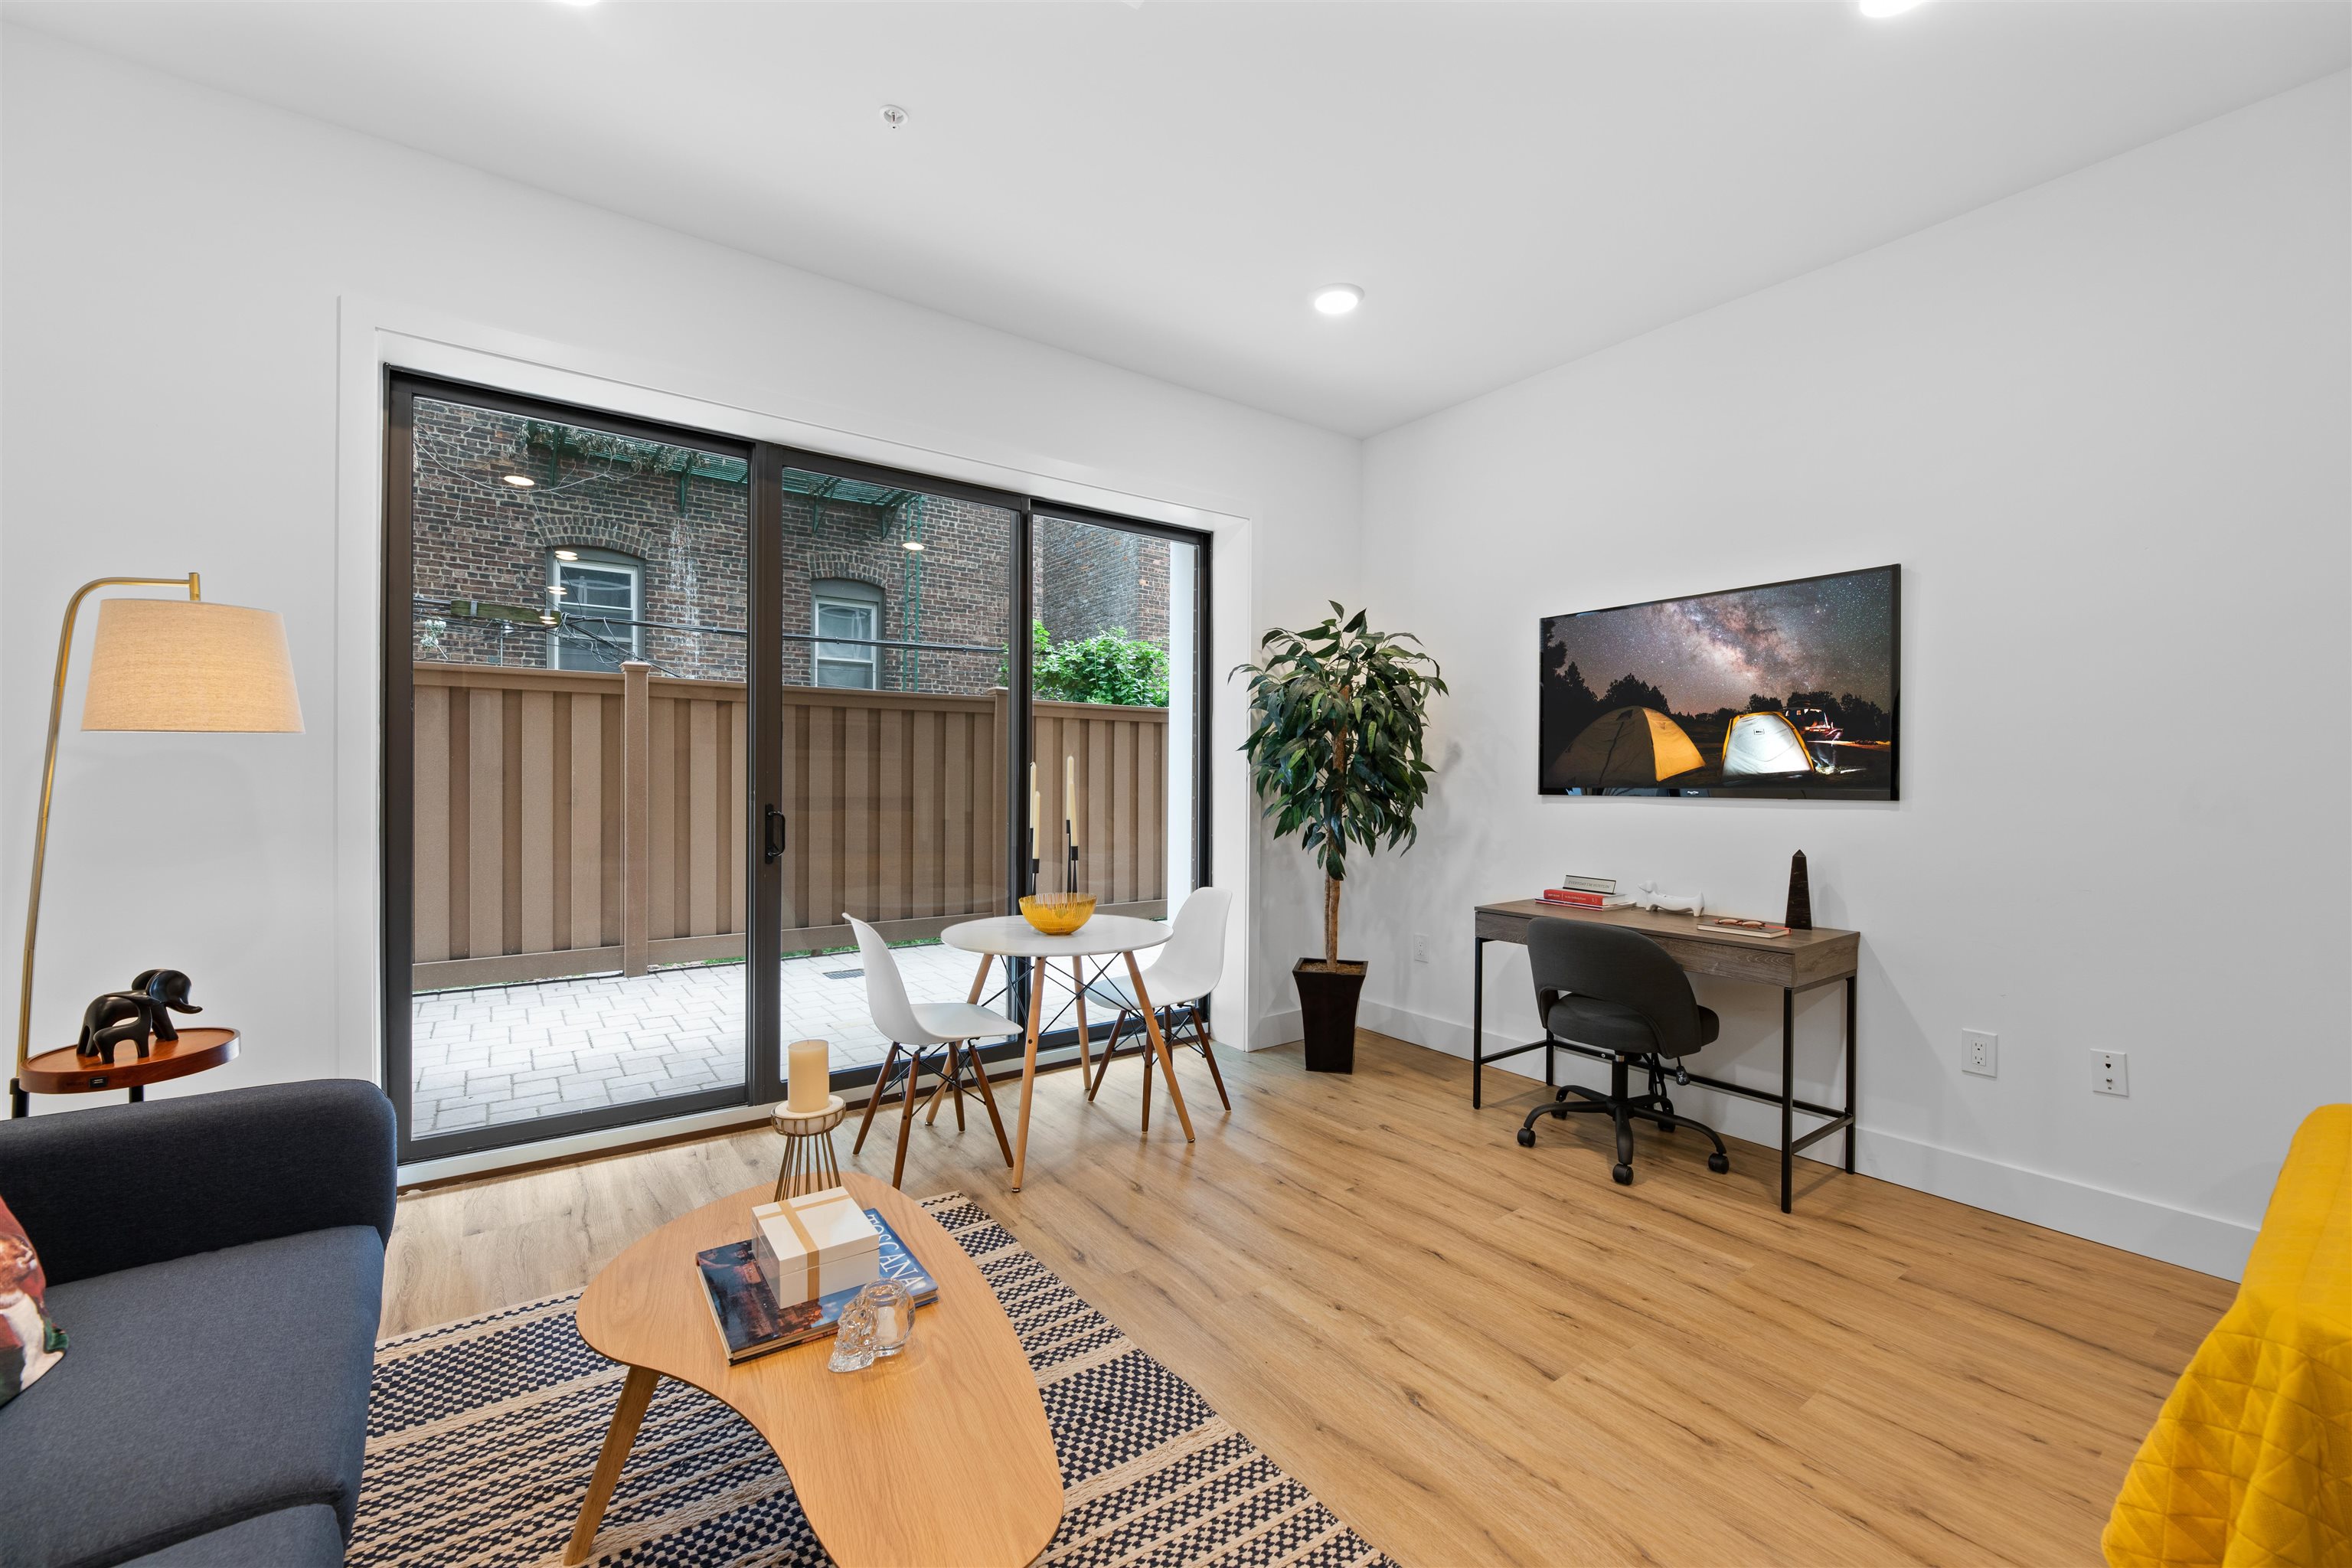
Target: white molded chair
[(916, 1027), (1179, 980)]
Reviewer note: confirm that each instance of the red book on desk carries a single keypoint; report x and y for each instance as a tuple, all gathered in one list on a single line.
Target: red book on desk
[(1576, 896)]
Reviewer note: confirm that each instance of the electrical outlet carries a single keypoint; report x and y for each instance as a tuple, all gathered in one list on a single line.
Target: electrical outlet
[(1420, 948), (1980, 1053), (2111, 1072)]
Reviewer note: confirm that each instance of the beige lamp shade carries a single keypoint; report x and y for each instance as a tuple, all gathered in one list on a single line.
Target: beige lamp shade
[(183, 665)]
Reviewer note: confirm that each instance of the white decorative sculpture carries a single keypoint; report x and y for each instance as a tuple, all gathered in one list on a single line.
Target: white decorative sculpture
[(1648, 897)]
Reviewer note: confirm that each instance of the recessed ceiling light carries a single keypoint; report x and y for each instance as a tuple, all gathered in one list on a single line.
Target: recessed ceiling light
[(893, 116), (915, 544), (1887, 7), (520, 481), (1337, 298), (567, 555)]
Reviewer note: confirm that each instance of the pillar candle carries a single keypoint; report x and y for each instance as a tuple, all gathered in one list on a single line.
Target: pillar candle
[(808, 1077)]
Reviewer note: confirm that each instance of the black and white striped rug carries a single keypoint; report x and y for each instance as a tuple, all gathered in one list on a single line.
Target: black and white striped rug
[(481, 1435)]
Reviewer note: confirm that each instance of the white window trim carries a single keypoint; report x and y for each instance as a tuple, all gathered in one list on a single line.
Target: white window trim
[(603, 559), (868, 601)]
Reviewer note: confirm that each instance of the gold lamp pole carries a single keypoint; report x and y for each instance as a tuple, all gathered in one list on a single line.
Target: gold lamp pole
[(157, 664)]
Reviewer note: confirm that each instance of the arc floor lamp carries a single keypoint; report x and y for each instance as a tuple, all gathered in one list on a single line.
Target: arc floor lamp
[(175, 665)]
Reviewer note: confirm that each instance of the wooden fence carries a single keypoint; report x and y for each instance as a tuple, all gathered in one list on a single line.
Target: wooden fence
[(571, 823)]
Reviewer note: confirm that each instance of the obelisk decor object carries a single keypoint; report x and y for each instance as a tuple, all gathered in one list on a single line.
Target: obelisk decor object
[(1801, 896)]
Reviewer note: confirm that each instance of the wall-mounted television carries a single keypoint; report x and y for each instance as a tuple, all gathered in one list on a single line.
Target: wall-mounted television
[(1786, 690)]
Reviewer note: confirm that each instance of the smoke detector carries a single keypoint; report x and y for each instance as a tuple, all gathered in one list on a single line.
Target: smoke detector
[(893, 116)]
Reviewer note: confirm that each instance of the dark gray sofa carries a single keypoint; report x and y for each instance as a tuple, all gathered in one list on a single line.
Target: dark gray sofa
[(216, 1262)]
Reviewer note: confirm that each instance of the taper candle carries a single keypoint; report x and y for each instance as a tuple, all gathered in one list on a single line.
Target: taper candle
[(1070, 797), (810, 1081)]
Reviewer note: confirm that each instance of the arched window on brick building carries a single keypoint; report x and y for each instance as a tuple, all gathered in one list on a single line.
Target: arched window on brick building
[(845, 608), (603, 595)]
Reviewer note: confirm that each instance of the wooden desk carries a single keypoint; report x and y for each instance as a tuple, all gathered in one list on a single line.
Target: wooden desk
[(1798, 962)]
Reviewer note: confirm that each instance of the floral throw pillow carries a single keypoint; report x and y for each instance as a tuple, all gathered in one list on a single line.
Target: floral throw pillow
[(30, 1344)]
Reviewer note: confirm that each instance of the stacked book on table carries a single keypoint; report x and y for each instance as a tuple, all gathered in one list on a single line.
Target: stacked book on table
[(1586, 893), (811, 1254)]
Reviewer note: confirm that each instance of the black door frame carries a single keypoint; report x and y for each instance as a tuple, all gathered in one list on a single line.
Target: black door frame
[(763, 1076)]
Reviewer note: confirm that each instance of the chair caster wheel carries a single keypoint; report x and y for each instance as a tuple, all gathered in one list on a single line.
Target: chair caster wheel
[(1526, 1137), (1621, 1175), (1717, 1164)]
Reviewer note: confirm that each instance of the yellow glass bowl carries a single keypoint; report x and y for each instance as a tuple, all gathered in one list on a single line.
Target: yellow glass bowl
[(1057, 914)]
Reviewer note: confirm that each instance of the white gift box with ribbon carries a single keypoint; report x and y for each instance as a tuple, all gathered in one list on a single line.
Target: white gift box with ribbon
[(815, 1244)]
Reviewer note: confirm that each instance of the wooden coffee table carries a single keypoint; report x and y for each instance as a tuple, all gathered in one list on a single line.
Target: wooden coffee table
[(939, 1455)]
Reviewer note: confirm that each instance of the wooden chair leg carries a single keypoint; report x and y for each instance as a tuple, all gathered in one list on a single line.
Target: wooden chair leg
[(874, 1099), (906, 1115), (1208, 1053), (1111, 1048), (988, 1098)]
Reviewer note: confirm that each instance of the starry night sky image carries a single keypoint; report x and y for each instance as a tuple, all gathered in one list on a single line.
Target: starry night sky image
[(1821, 650)]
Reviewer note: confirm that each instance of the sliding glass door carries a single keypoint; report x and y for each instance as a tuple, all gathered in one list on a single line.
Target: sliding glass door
[(894, 727), (664, 709), (570, 612), (1116, 710)]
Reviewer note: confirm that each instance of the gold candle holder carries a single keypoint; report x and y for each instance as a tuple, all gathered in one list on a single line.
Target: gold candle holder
[(809, 1163)]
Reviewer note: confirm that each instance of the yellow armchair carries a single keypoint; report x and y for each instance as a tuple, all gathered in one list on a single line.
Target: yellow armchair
[(2250, 1464)]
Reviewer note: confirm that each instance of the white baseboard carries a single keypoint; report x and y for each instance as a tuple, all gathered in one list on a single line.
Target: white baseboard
[(1277, 1029), (2204, 1242)]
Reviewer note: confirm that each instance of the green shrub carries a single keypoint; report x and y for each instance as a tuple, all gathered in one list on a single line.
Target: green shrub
[(1109, 667)]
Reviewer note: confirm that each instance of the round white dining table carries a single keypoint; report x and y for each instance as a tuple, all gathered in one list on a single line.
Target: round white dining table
[(1104, 936)]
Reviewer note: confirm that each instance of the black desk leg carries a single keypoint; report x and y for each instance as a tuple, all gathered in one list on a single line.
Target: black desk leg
[(1852, 1099), (1788, 1090), (138, 1094), (16, 1101), (1477, 1021)]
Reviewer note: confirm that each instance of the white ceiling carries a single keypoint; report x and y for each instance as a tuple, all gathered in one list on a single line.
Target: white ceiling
[(1161, 186)]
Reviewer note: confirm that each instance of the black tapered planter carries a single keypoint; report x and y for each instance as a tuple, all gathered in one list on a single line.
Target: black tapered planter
[(1327, 1007)]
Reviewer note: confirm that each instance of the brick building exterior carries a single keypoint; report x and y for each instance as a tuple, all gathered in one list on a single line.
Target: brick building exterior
[(1086, 581), (657, 534)]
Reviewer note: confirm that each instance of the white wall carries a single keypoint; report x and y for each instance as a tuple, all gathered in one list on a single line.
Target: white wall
[(172, 272), (2102, 425)]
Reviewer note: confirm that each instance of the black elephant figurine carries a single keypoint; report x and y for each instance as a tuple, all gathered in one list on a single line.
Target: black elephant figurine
[(112, 1019), (166, 991)]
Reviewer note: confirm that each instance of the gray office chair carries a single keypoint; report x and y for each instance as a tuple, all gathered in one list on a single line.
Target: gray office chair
[(1616, 991)]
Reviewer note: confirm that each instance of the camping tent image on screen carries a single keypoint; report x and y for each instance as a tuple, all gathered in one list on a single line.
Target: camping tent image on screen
[(1787, 689)]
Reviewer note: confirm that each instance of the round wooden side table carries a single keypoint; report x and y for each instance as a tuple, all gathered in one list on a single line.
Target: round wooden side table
[(809, 1164), (67, 1072)]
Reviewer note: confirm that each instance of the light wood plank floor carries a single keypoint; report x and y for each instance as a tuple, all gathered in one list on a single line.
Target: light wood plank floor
[(1479, 1354)]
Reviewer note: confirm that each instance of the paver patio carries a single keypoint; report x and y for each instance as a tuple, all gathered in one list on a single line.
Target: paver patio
[(505, 1053)]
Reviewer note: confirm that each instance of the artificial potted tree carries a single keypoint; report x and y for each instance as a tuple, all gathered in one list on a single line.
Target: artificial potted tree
[(1335, 750)]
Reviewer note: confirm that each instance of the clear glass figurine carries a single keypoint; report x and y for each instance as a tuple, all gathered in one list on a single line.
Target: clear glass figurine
[(894, 1314), (853, 1338)]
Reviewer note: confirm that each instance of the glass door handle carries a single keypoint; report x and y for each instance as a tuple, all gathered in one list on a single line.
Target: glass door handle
[(775, 835)]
